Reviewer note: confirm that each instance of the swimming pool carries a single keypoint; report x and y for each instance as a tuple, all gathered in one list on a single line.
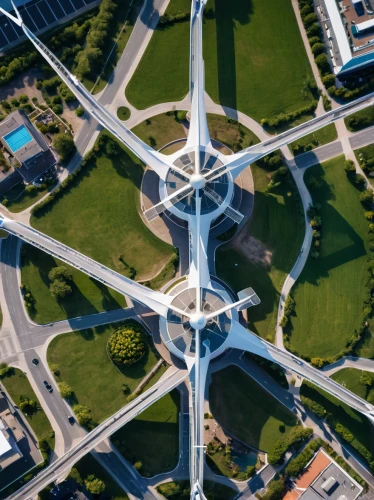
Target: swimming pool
[(18, 138)]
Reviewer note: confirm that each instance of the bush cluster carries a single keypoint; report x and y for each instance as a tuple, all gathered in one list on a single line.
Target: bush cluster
[(295, 437), (298, 463), (28, 298), (127, 344), (83, 414), (289, 307), (316, 224), (285, 118), (90, 59), (168, 20)]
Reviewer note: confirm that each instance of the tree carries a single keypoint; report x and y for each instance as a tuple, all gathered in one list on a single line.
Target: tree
[(83, 414), (317, 362), (322, 62), (27, 405), (23, 99), (138, 465), (126, 389), (310, 19), (4, 370), (127, 345), (349, 167), (313, 40), (112, 148), (366, 380), (60, 272), (366, 197), (318, 48), (314, 30), (181, 116), (79, 111), (94, 485), (369, 215), (55, 369), (60, 289), (289, 305), (64, 145), (371, 228), (65, 390), (328, 80), (283, 322), (74, 474)]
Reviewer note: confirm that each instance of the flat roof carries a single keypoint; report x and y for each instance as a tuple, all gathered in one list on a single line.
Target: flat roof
[(339, 31), (364, 26), (4, 444)]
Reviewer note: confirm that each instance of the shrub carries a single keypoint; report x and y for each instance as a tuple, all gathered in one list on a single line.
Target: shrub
[(310, 19), (94, 485), (318, 48), (4, 370), (313, 30), (65, 390), (296, 436), (316, 408), (64, 145), (283, 322), (23, 99), (79, 111), (349, 167), (181, 116), (83, 414), (366, 198), (289, 305), (322, 62), (328, 80), (313, 40), (127, 345)]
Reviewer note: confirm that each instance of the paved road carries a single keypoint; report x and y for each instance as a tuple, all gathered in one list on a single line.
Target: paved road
[(363, 138), (171, 379), (319, 155)]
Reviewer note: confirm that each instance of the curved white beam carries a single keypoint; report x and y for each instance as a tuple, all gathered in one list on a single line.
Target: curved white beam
[(240, 161), (158, 162), (198, 134), (247, 298), (241, 338), (157, 301)]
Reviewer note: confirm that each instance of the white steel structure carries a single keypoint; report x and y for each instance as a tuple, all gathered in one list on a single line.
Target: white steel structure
[(198, 317)]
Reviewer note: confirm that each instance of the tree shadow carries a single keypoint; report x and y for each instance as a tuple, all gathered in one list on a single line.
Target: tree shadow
[(126, 167), (227, 14), (108, 301)]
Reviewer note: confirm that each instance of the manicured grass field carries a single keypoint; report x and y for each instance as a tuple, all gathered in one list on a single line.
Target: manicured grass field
[(265, 250), (329, 293), (123, 113), (366, 153), (88, 296), (99, 217), (315, 139), (365, 346), (229, 132), (361, 119), (253, 69), (350, 378), (153, 436), (86, 367), (17, 385), (233, 396), (355, 422), (160, 130), (89, 465)]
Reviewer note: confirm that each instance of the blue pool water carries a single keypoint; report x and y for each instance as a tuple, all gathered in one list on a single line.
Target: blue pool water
[(18, 138)]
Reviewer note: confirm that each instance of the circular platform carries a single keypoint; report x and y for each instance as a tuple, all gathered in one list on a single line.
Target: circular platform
[(212, 193), (177, 330)]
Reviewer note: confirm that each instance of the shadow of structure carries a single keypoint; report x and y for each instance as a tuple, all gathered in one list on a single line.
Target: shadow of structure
[(227, 14)]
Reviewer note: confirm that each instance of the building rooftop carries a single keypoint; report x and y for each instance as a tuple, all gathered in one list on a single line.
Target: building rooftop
[(19, 136), (349, 34)]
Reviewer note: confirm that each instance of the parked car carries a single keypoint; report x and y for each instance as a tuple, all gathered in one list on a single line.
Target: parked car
[(71, 420)]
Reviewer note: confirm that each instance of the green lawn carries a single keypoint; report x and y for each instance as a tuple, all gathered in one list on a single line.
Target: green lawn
[(230, 132), (367, 154), (153, 436), (180, 490), (98, 216), (233, 396), (253, 69), (350, 378), (123, 113), (160, 130), (19, 199), (330, 291), (86, 367), (361, 119), (89, 465), (265, 250), (88, 297), (315, 139), (365, 346), (355, 422), (17, 385)]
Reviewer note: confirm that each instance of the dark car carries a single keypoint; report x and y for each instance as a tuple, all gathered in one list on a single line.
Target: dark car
[(50, 388), (35, 361), (45, 383), (71, 420)]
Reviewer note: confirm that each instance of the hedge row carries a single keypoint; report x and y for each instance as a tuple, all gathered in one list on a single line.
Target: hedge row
[(296, 436), (284, 118)]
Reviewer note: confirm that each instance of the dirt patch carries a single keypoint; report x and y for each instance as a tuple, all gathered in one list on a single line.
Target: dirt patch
[(22, 84), (253, 249)]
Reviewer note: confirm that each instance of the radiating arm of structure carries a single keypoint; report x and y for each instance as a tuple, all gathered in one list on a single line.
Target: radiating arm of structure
[(198, 134), (101, 432), (240, 161), (157, 161), (241, 338), (157, 301)]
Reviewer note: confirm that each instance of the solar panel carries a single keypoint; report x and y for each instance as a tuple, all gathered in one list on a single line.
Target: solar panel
[(8, 31), (78, 4), (67, 6), (56, 9), (37, 17), (47, 12)]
